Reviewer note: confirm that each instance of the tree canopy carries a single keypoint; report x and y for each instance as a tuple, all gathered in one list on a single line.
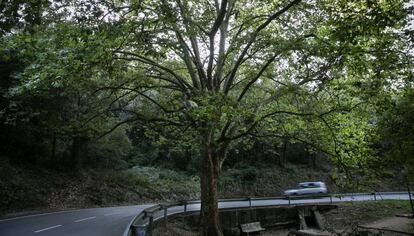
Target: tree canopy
[(210, 73)]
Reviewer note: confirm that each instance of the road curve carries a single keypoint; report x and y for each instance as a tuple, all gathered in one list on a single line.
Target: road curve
[(113, 221), (109, 221)]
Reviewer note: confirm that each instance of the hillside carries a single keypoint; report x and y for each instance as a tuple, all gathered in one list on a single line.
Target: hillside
[(36, 189)]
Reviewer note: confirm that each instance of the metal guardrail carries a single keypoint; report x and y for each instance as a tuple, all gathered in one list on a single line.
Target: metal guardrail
[(142, 224)]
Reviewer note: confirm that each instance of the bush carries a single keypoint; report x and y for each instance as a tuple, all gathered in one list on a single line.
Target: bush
[(127, 179), (168, 182)]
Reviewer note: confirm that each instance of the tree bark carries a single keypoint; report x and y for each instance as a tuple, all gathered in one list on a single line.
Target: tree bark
[(209, 171)]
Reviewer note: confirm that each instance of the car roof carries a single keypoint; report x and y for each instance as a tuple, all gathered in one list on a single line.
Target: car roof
[(313, 182)]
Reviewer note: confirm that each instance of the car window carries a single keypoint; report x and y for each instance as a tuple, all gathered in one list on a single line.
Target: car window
[(309, 185), (313, 185)]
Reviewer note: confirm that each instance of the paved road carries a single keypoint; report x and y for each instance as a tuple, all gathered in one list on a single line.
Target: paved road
[(88, 222), (113, 221)]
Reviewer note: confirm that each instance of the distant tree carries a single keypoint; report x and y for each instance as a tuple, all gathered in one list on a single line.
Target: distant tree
[(53, 99)]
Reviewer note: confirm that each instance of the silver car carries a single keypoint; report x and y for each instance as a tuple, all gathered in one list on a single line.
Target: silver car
[(307, 188)]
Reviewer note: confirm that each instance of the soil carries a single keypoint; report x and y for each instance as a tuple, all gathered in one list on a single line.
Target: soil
[(402, 224), (348, 216), (175, 228)]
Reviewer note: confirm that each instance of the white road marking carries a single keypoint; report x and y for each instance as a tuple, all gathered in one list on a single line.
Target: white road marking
[(89, 218), (111, 214), (43, 214), (51, 227)]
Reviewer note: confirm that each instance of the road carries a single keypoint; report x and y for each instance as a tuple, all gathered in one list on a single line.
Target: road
[(113, 221), (87, 222)]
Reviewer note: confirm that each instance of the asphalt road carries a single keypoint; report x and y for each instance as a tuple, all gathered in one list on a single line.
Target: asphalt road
[(113, 221), (87, 222)]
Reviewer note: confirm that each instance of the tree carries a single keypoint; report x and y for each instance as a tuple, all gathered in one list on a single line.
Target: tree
[(20, 14), (219, 71), (395, 127), (53, 108)]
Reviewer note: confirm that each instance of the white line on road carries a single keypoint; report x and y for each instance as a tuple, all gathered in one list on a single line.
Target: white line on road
[(89, 218), (111, 214), (51, 227)]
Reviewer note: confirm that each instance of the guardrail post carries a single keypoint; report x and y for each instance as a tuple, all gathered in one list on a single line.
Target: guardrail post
[(411, 200), (330, 196), (375, 196), (185, 206), (151, 219), (289, 200), (165, 215), (138, 230), (250, 201)]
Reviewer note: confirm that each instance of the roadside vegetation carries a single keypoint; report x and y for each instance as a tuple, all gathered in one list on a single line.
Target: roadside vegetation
[(37, 189)]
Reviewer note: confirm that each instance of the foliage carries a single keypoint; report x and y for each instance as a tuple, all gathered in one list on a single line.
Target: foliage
[(396, 126), (168, 181), (207, 76), (20, 14), (56, 95)]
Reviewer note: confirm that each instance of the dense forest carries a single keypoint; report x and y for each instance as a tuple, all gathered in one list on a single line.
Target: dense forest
[(166, 100)]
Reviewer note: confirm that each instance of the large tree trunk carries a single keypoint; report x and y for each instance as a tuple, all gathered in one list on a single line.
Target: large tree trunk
[(209, 171)]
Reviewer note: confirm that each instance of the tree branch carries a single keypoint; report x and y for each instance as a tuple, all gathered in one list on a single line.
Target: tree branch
[(253, 37), (256, 77), (267, 116), (193, 40), (148, 61)]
